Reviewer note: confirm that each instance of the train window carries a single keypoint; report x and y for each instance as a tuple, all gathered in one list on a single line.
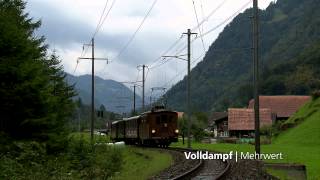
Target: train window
[(170, 119), (164, 119), (158, 119)]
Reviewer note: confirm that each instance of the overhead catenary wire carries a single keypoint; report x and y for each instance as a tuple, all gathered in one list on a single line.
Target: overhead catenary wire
[(210, 14), (180, 72), (101, 21), (193, 29), (137, 30), (167, 51), (200, 30), (202, 11), (208, 32), (226, 20)]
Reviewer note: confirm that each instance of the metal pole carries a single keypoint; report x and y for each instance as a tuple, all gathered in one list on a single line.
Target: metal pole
[(143, 66), (189, 33), (92, 92), (134, 99), (188, 90), (256, 75)]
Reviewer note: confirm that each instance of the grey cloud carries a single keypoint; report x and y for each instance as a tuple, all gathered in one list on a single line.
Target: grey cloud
[(64, 31)]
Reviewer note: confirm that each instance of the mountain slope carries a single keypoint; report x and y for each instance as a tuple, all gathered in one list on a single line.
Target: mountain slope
[(224, 77), (111, 94)]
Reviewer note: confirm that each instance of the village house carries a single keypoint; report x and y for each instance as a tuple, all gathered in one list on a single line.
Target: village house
[(282, 107), (241, 121), (218, 122)]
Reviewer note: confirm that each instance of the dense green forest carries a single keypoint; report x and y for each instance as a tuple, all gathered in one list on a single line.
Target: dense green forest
[(38, 113), (289, 51)]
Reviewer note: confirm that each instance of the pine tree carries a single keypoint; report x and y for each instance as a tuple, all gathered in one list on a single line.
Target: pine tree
[(35, 101)]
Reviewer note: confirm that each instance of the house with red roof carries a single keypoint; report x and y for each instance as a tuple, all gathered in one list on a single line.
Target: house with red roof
[(272, 108), (241, 121), (282, 107)]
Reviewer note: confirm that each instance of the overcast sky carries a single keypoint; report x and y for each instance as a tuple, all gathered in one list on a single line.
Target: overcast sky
[(67, 24)]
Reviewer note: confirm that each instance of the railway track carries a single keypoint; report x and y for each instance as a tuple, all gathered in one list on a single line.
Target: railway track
[(192, 169)]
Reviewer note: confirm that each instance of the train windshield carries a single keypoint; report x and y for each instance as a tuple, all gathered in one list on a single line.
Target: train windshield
[(163, 119)]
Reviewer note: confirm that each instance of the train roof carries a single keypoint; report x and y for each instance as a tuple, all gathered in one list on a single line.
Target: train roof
[(126, 119), (131, 118), (158, 111), (143, 114)]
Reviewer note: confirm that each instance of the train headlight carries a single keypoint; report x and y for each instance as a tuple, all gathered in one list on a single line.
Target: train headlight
[(176, 131), (153, 131)]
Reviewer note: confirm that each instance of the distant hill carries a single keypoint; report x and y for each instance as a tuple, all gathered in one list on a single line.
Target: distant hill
[(289, 33), (110, 93)]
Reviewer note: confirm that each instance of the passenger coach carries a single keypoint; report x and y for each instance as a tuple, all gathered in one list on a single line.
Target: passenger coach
[(156, 127)]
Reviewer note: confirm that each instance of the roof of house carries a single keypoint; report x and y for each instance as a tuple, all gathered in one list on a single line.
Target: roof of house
[(243, 119), (216, 116), (219, 115), (282, 106)]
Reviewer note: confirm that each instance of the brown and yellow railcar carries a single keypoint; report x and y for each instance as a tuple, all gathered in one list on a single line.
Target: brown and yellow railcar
[(157, 127)]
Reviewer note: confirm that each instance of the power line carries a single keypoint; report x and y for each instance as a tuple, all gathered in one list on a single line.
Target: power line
[(226, 20), (200, 31), (167, 51), (99, 25), (104, 19), (196, 60), (211, 13), (208, 32), (202, 55), (193, 29), (100, 19), (202, 11), (137, 30)]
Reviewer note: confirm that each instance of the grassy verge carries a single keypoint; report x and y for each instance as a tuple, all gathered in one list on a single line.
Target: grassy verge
[(142, 163), (29, 160)]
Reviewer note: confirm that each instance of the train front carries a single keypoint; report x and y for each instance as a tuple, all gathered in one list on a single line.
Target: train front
[(164, 127)]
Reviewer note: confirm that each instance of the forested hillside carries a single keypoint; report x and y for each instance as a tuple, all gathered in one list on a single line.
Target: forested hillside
[(289, 51)]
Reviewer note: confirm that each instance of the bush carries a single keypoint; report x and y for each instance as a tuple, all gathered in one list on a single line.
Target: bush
[(29, 160), (266, 130), (315, 94)]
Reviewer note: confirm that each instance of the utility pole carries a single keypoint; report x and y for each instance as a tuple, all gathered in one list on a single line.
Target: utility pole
[(92, 86), (134, 99), (189, 33), (143, 66), (143, 85), (256, 75), (92, 92)]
